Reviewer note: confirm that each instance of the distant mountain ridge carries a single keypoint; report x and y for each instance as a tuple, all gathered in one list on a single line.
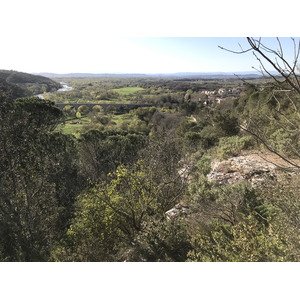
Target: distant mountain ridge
[(21, 84), (177, 74), (56, 75)]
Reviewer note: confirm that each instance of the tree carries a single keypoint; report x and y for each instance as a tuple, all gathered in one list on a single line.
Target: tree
[(162, 240), (37, 179), (98, 109), (83, 109), (144, 113), (102, 152), (69, 111), (111, 109), (110, 215), (37, 113)]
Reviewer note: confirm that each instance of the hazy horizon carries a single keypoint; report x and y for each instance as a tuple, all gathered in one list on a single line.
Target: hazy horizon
[(145, 73)]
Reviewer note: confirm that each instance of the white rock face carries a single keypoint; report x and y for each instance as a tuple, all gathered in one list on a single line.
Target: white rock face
[(248, 168)]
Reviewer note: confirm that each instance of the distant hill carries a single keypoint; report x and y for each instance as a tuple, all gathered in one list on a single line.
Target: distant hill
[(217, 74), (24, 84), (77, 75), (211, 75)]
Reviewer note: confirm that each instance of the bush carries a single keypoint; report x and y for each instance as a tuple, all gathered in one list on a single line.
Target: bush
[(166, 241), (98, 109), (226, 123), (191, 141), (246, 241), (236, 224), (210, 135), (111, 109), (83, 109), (69, 111), (232, 146), (282, 141), (203, 165)]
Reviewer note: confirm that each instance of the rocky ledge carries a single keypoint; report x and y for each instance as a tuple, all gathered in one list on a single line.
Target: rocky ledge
[(252, 168)]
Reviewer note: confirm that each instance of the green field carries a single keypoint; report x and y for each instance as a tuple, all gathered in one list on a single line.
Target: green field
[(118, 119), (74, 125), (128, 90)]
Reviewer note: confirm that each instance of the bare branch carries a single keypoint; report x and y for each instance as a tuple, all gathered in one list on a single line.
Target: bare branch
[(235, 52), (279, 43), (252, 42)]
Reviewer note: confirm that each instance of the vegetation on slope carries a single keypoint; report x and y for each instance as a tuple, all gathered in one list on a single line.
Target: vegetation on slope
[(23, 84)]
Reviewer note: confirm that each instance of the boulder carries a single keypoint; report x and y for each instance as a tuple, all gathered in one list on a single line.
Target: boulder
[(176, 211)]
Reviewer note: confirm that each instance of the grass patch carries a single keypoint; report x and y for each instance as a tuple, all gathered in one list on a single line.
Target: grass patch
[(73, 125), (128, 90), (118, 119)]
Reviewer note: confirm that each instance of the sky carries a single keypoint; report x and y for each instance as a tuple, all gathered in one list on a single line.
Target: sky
[(124, 37)]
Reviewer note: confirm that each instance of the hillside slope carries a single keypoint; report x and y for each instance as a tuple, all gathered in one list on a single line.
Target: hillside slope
[(23, 84)]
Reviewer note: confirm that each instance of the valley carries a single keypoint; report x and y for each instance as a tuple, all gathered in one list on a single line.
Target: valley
[(148, 168)]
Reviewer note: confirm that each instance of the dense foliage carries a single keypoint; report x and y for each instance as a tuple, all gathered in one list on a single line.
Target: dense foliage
[(21, 84), (95, 185)]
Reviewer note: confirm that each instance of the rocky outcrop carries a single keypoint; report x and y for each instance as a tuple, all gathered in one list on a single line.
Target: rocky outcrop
[(247, 168), (177, 210), (253, 168)]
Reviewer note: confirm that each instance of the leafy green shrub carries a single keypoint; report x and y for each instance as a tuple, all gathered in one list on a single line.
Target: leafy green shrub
[(204, 139), (69, 111), (83, 109), (203, 165), (246, 241), (210, 136), (284, 195), (225, 123), (236, 224), (282, 141), (165, 240), (103, 119), (137, 125), (232, 146), (111, 109), (191, 140), (98, 108)]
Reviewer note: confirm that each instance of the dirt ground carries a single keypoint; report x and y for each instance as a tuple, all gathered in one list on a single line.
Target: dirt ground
[(271, 158)]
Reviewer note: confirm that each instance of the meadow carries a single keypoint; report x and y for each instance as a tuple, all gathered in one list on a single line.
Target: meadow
[(128, 90)]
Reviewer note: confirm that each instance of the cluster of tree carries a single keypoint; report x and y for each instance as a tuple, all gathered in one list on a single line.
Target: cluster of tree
[(23, 84), (39, 180), (104, 195), (154, 90), (15, 90), (47, 178)]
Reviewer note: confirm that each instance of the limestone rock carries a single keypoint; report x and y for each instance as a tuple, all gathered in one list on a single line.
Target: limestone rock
[(176, 211), (247, 168)]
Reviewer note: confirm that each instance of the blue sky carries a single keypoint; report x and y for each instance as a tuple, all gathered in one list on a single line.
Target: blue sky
[(91, 36), (187, 54), (140, 55)]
